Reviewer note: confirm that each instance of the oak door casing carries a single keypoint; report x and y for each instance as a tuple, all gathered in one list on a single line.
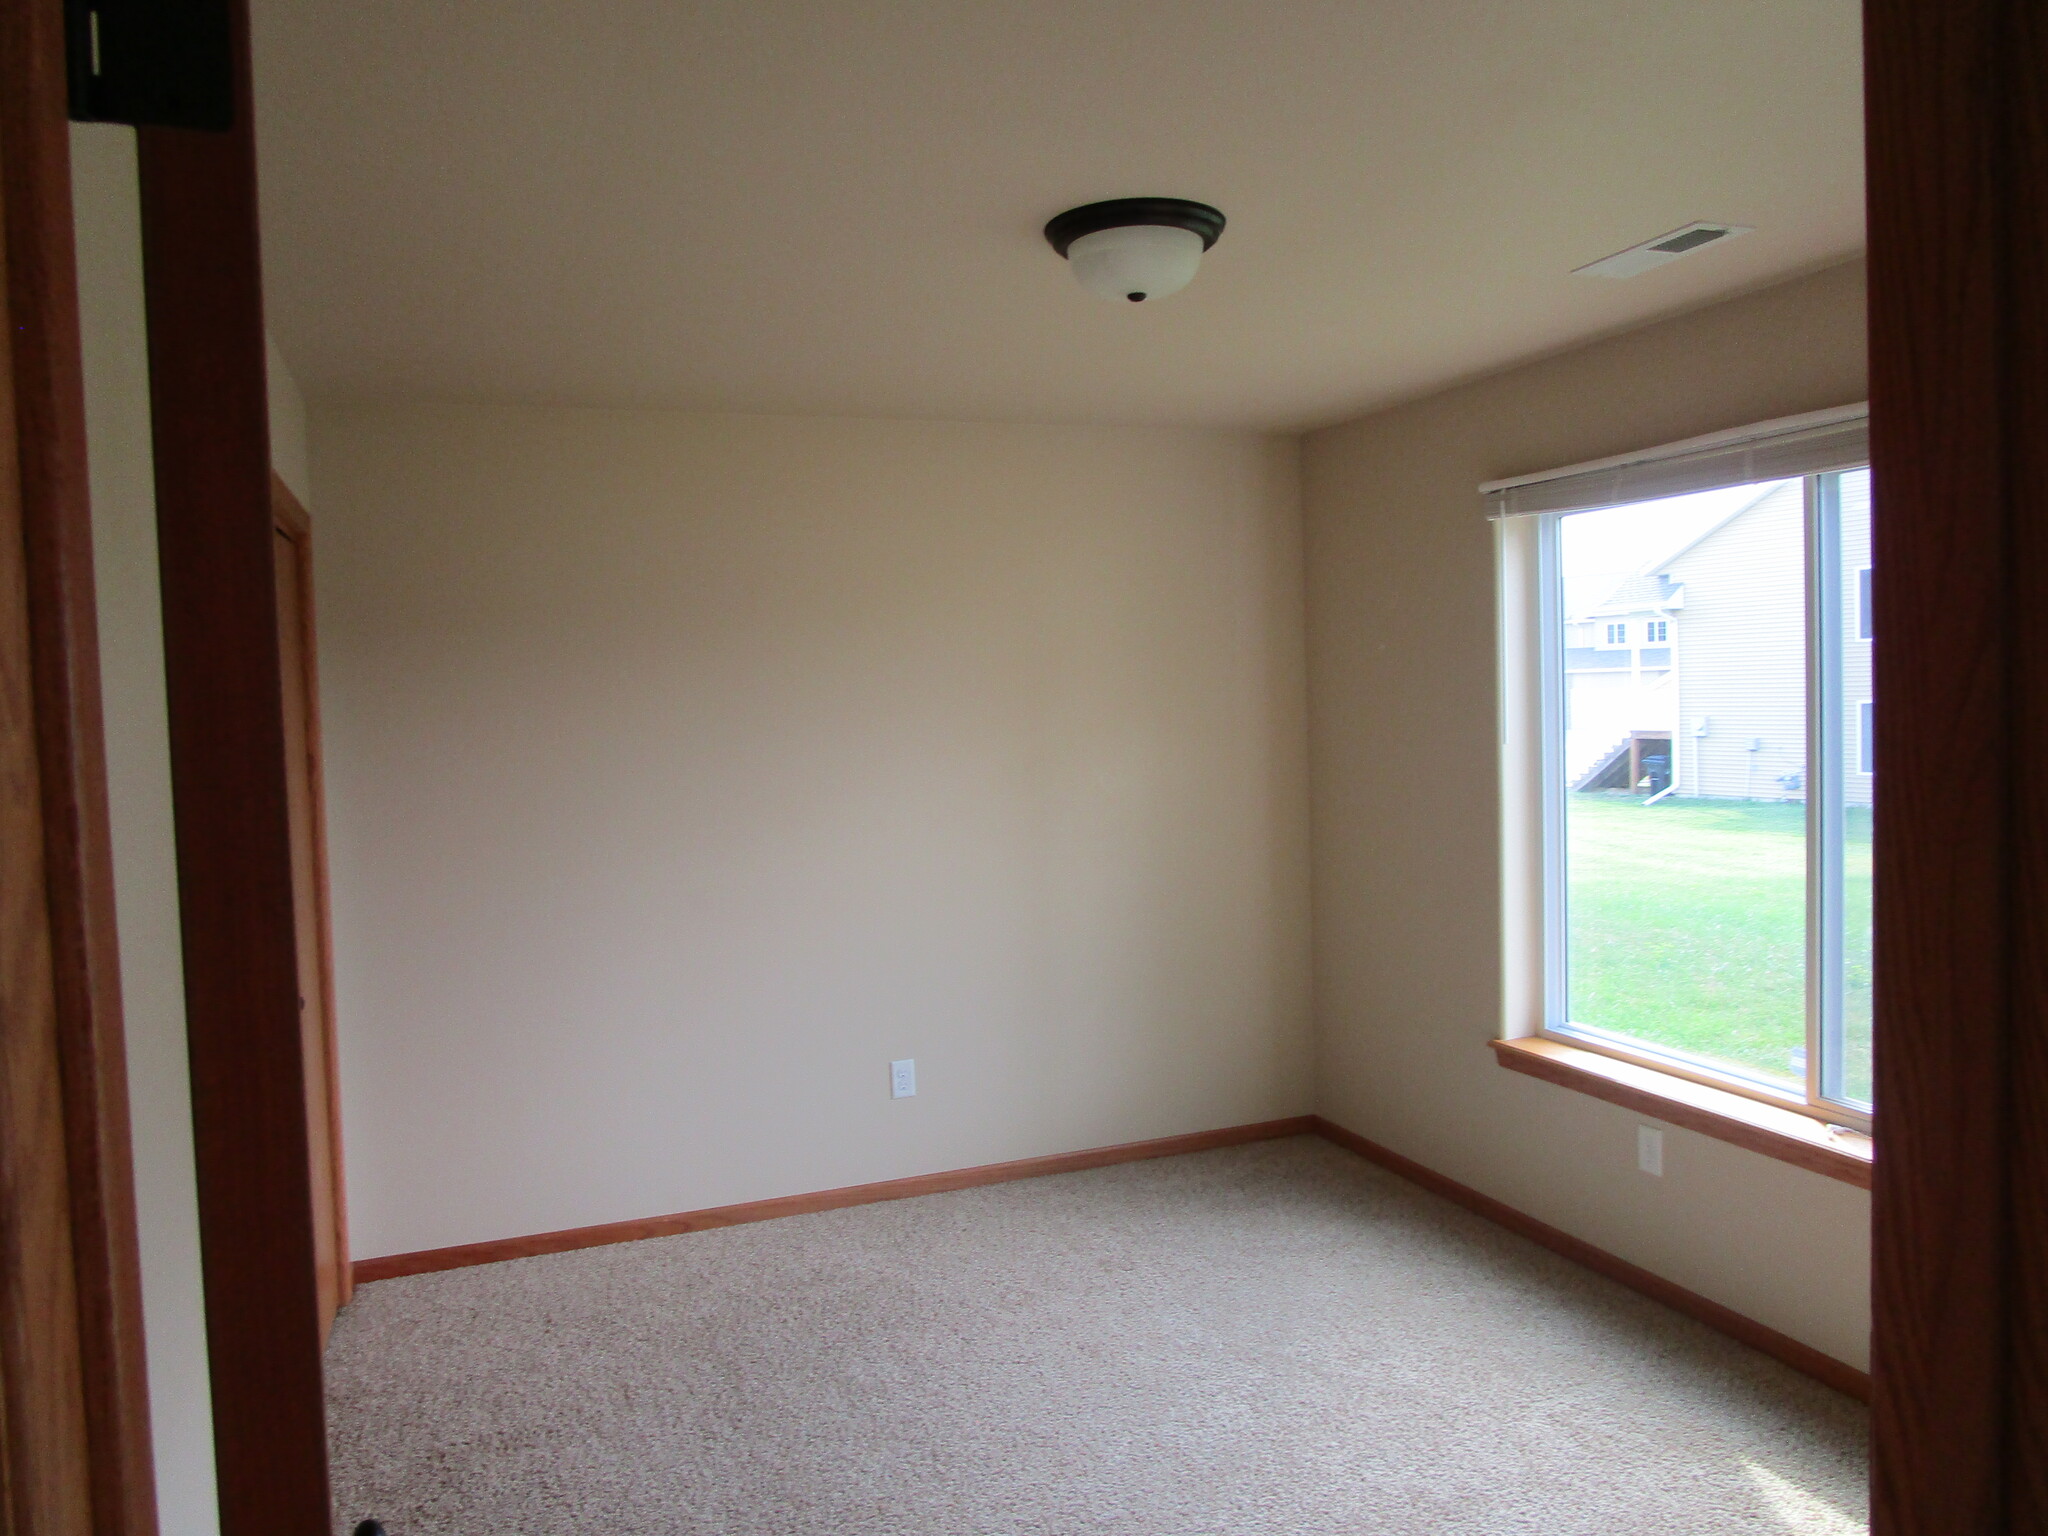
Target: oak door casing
[(74, 1406), (1957, 102), (216, 538), (45, 1478), (293, 547)]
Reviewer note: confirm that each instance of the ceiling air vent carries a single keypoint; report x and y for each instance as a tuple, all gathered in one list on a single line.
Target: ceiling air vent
[(1654, 253)]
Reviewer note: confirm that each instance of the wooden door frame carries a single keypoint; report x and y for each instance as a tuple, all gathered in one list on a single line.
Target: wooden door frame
[(1957, 102), (289, 517), (74, 1403), (74, 1408), (209, 405)]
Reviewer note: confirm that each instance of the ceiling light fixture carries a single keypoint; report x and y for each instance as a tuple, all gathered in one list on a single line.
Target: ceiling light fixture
[(1135, 248)]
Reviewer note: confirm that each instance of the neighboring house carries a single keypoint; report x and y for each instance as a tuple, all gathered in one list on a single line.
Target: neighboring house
[(1742, 690), (1621, 703), (1701, 658), (1858, 695)]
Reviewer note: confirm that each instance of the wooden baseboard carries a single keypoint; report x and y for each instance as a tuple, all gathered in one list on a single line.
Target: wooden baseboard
[(428, 1260), (1781, 1347)]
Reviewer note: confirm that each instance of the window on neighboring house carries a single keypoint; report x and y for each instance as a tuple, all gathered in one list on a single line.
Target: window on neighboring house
[(1723, 784), (1863, 630), (1657, 631), (1617, 634), (1866, 737)]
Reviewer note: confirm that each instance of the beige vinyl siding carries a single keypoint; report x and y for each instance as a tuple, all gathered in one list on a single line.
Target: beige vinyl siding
[(1740, 643), (1857, 787)]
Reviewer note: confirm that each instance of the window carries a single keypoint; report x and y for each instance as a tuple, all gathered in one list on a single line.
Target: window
[(1866, 737), (1737, 784), (1617, 634)]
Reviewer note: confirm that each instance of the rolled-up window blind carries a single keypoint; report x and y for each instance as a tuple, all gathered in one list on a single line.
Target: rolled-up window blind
[(1772, 450)]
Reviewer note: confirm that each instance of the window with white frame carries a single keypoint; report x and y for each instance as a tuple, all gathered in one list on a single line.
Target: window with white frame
[(1617, 634), (1738, 782), (1656, 631)]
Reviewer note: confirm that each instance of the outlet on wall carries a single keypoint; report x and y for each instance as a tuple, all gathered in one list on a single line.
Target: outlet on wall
[(1650, 1150), (903, 1079)]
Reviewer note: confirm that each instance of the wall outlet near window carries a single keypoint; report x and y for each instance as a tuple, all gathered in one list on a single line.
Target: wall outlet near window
[(903, 1079), (1650, 1150)]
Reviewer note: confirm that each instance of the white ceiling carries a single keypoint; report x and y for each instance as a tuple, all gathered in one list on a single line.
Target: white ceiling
[(833, 206)]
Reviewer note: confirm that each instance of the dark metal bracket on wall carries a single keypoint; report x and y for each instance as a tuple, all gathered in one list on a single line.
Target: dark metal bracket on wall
[(150, 63)]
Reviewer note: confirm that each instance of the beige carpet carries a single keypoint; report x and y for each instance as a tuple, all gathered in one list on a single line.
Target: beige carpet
[(1267, 1339)]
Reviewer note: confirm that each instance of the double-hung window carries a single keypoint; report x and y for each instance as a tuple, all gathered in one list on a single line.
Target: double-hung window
[(1690, 836)]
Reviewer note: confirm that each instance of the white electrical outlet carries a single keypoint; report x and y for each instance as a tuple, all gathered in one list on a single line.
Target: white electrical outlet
[(903, 1079), (1650, 1150)]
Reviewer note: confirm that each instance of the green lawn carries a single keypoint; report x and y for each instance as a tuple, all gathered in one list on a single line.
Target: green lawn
[(1688, 928)]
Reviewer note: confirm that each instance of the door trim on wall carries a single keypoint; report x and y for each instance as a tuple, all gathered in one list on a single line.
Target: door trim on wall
[(289, 517), (74, 1403), (202, 282), (1957, 102)]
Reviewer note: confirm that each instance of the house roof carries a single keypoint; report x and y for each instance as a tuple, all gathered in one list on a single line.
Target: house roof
[(1650, 590), (1742, 509)]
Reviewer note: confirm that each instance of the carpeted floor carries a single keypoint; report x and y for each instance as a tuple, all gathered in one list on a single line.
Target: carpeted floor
[(1269, 1339)]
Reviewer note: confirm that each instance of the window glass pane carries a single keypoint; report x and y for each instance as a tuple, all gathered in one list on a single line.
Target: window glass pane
[(1849, 1077), (1684, 777)]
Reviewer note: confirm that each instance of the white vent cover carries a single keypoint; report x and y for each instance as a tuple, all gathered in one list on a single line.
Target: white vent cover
[(1654, 253)]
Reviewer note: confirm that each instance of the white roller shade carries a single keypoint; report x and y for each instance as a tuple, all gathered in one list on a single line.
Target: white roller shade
[(1772, 450)]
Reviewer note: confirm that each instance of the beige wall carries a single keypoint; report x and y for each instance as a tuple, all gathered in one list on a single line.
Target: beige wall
[(109, 242), (1406, 826), (287, 424), (684, 770)]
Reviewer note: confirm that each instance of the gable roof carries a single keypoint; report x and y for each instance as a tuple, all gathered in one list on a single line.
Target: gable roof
[(1649, 590), (1741, 511)]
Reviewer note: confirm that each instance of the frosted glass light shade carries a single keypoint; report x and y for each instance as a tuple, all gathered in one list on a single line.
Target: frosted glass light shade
[(1135, 262)]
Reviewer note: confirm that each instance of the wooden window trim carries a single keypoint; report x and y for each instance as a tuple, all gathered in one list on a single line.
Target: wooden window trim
[(1677, 1066), (1530, 655), (1782, 1132)]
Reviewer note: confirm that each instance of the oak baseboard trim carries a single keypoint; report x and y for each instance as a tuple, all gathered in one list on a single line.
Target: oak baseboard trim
[(430, 1260), (1781, 1347)]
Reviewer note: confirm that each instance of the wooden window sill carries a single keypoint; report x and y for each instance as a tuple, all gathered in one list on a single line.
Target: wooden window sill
[(1781, 1133)]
